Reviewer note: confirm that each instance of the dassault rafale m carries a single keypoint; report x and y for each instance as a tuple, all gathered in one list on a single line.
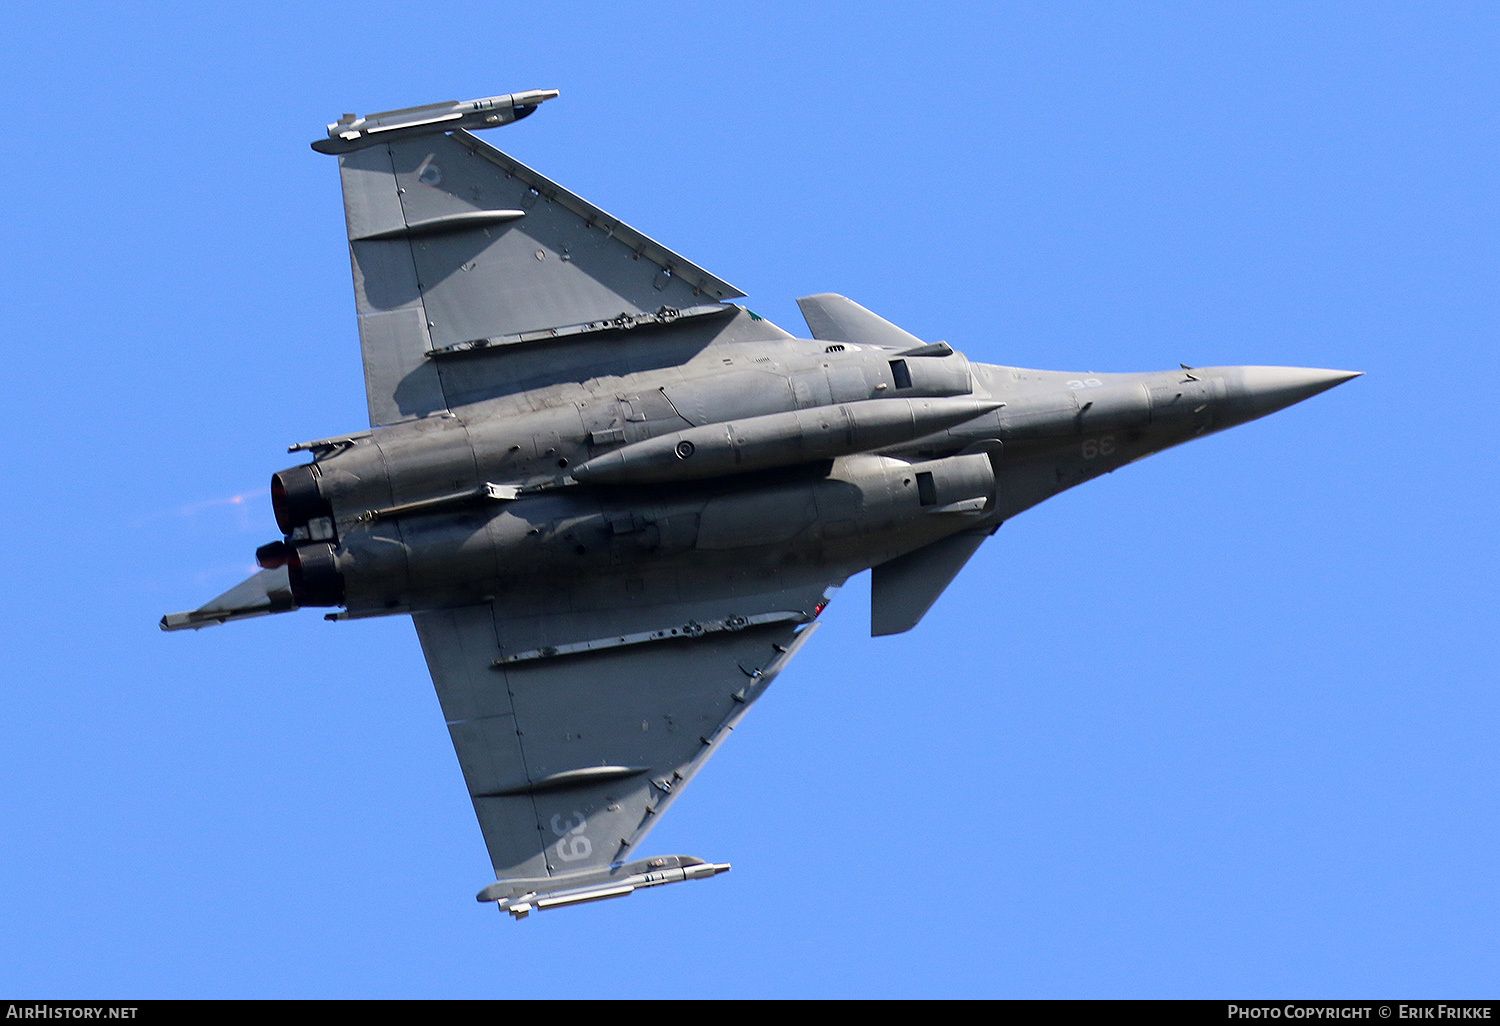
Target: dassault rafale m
[(614, 502)]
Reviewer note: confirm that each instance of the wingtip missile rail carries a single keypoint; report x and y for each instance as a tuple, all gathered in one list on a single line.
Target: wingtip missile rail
[(352, 132), (515, 897)]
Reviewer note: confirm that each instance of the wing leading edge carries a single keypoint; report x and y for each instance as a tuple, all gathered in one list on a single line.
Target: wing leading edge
[(455, 245), (575, 732)]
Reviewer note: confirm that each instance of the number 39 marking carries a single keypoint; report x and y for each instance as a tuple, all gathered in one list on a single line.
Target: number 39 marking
[(1099, 447), (574, 845)]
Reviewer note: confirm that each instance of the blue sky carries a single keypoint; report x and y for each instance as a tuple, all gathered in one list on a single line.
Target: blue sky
[(1222, 723)]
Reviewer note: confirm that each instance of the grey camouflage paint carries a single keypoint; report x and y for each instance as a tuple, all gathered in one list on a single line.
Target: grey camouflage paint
[(614, 503)]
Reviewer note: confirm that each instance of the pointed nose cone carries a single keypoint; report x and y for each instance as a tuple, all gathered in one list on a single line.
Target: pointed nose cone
[(1265, 390)]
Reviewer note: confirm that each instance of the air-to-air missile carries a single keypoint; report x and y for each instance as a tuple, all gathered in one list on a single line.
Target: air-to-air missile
[(614, 502), (352, 132)]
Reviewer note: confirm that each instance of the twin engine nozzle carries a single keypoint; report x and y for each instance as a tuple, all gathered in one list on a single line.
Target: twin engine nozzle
[(311, 567)]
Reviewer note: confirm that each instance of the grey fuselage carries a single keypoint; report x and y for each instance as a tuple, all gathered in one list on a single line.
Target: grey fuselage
[(544, 497)]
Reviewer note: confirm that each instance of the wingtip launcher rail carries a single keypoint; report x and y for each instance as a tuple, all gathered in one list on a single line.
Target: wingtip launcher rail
[(352, 132)]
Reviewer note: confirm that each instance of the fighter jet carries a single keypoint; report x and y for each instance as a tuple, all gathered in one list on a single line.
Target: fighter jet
[(614, 502)]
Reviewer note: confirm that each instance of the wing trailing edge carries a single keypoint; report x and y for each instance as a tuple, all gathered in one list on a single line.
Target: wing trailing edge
[(456, 247), (573, 750)]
